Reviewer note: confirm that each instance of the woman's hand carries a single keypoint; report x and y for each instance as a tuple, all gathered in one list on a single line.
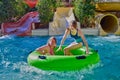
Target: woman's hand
[(87, 51), (59, 48)]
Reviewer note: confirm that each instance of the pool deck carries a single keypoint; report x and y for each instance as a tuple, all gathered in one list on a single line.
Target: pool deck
[(46, 32)]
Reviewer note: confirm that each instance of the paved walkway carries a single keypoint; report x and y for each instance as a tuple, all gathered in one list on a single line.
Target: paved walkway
[(45, 32)]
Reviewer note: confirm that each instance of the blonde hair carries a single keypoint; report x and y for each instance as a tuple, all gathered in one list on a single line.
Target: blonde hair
[(49, 40)]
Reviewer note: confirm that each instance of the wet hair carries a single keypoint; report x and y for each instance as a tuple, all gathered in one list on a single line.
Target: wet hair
[(74, 23), (50, 39)]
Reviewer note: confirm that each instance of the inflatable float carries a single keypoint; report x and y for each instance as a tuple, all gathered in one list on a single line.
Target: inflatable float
[(60, 62)]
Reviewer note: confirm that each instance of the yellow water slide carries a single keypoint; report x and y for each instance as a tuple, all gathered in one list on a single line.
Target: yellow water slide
[(107, 20), (62, 14)]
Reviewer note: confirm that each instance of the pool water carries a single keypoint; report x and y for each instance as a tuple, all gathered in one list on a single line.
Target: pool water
[(14, 52)]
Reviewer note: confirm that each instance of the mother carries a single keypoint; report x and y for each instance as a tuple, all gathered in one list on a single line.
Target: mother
[(77, 34)]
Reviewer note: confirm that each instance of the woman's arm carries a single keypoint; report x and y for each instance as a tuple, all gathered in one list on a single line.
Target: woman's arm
[(84, 40), (64, 37)]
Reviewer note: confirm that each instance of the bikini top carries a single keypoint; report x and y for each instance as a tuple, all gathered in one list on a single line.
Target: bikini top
[(51, 50)]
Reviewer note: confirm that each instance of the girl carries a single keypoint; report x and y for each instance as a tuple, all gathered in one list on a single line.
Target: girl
[(48, 48), (77, 34)]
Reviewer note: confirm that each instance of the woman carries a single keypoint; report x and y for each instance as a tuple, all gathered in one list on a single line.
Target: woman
[(77, 34), (48, 48)]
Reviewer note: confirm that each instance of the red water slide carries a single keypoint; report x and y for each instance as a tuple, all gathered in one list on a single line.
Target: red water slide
[(22, 27)]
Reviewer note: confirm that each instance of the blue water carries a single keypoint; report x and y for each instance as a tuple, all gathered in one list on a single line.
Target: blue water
[(14, 52)]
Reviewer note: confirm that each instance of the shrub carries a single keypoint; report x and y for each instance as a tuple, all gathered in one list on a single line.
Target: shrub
[(85, 11), (10, 9)]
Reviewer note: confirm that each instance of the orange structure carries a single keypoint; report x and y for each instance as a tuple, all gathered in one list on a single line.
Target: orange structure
[(31, 3)]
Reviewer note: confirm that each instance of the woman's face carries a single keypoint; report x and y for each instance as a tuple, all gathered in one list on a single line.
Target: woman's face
[(73, 28)]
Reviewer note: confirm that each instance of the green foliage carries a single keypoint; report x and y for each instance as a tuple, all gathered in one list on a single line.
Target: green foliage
[(46, 9), (10, 9), (85, 11)]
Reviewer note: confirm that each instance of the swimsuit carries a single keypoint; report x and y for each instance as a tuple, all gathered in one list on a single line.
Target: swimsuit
[(76, 37), (51, 51)]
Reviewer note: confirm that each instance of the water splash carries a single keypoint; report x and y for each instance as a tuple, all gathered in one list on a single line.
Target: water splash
[(14, 65)]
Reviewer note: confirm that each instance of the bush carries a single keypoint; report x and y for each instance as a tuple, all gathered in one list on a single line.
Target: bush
[(10, 9), (85, 11)]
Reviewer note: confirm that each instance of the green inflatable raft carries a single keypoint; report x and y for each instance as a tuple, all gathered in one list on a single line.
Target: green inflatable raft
[(60, 62)]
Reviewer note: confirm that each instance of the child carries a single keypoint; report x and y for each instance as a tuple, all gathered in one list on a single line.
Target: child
[(48, 48)]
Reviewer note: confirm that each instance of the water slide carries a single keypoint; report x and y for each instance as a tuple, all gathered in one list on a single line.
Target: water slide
[(106, 17), (107, 21), (61, 20), (22, 27), (108, 6)]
